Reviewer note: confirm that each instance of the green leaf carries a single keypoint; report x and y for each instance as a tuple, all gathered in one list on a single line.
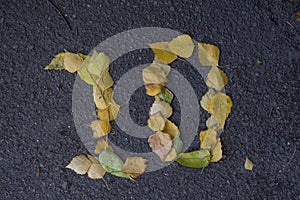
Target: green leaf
[(258, 63), (57, 63), (166, 95), (85, 75), (111, 161), (116, 173), (195, 159), (177, 144)]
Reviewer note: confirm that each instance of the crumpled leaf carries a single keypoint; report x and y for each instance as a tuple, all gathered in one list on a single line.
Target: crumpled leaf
[(100, 128), (208, 54), (208, 138), (248, 164), (182, 46), (170, 128), (111, 160), (177, 144), (206, 98), (161, 144), (161, 106), (212, 122), (101, 146), (195, 159), (102, 99), (105, 80), (220, 107), (155, 74), (153, 89), (216, 79), (134, 166), (166, 95), (72, 62), (216, 152), (172, 155), (96, 171), (156, 122), (162, 52), (57, 63), (113, 109)]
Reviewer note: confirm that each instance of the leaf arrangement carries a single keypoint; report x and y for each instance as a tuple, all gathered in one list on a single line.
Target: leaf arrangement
[(165, 140)]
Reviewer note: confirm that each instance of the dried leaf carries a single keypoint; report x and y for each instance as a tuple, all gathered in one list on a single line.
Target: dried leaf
[(57, 63), (162, 52), (134, 166), (248, 164), (113, 110), (182, 46), (195, 159), (166, 95), (220, 107), (85, 75), (154, 74), (102, 99), (208, 138), (177, 144), (161, 106), (156, 122), (153, 89), (208, 54), (206, 98), (105, 80), (171, 129), (72, 62), (100, 128), (80, 164), (103, 114), (161, 144), (172, 155), (216, 79), (98, 63), (96, 171), (101, 146), (216, 152), (212, 122)]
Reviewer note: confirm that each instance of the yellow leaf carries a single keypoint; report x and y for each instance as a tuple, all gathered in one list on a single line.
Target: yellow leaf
[(153, 89), (208, 138), (162, 52), (80, 164), (182, 46), (220, 107), (72, 62), (113, 110), (171, 129), (103, 114), (248, 164), (216, 152), (98, 63), (211, 122), (156, 122), (172, 155), (161, 144), (105, 80), (101, 146), (96, 171), (134, 166), (102, 99), (154, 74), (206, 98), (57, 63), (216, 79), (208, 54), (100, 128), (161, 106)]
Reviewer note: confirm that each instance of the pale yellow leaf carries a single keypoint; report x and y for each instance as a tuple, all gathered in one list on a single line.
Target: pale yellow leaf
[(206, 98), (154, 74), (161, 144), (171, 155), (113, 110), (171, 129), (96, 171), (212, 122), (153, 89), (216, 152), (162, 52), (105, 80), (161, 106), (102, 99), (248, 164), (182, 46), (80, 164), (100, 128), (208, 54), (134, 166), (72, 62), (98, 63), (208, 138), (156, 122), (216, 79), (101, 146)]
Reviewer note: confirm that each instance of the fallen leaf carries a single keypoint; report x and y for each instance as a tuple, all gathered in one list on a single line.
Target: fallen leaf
[(177, 144), (208, 54), (206, 98), (182, 46), (162, 52), (164, 67), (212, 122), (105, 80), (98, 63), (170, 128), (57, 63), (208, 138), (72, 62), (134, 166), (96, 171), (161, 144), (85, 75), (195, 159), (154, 74), (113, 110), (110, 161), (100, 128), (153, 89), (216, 152), (172, 155), (101, 146), (216, 79), (220, 107), (80, 164), (103, 114), (102, 99), (156, 122), (248, 164), (166, 95), (161, 106)]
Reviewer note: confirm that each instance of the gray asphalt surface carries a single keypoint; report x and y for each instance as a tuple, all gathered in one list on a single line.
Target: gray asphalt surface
[(38, 136)]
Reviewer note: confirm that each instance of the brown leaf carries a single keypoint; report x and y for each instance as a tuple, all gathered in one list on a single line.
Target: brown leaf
[(134, 166), (161, 144)]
